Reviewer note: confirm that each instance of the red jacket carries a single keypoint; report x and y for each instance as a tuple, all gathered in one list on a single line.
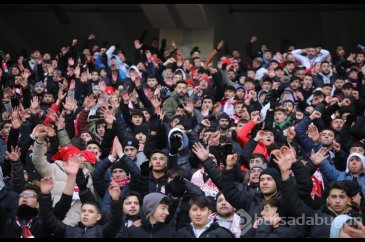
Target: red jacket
[(244, 135)]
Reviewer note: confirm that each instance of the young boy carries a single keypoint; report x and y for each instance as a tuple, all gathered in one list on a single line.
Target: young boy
[(201, 226)]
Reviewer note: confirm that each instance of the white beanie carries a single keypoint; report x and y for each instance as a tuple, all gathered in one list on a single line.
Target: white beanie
[(361, 156), (136, 69)]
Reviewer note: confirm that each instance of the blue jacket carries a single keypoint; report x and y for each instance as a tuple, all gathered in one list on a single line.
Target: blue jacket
[(334, 175)]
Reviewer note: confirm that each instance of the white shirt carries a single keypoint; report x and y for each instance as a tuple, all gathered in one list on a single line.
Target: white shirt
[(198, 232), (308, 62)]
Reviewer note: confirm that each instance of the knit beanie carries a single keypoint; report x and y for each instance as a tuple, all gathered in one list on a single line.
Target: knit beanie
[(274, 173), (151, 202)]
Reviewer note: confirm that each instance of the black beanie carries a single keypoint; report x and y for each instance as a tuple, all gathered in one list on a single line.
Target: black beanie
[(141, 129), (274, 173), (223, 115), (117, 165), (131, 141)]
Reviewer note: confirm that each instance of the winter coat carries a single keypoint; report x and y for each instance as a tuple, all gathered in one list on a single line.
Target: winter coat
[(56, 171), (148, 230), (214, 231), (55, 226)]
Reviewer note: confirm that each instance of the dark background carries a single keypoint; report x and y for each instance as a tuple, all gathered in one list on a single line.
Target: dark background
[(50, 26)]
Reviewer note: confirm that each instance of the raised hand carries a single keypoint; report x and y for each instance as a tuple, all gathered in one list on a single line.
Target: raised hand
[(40, 132), (16, 122), (23, 80), (315, 114), (91, 37), (319, 156), (356, 233), (34, 103), (71, 61), (156, 103), (175, 143), (189, 106), (289, 153), (73, 165), (291, 134), (346, 102), (161, 114), (138, 82), (274, 220), (260, 135), (46, 184), (109, 116), (52, 115), (220, 45), (253, 39), (313, 133), (50, 131), (60, 123), (137, 44), (118, 147), (26, 74), (72, 85), (205, 122), (114, 191), (217, 108), (61, 95), (231, 160), (77, 72), (205, 112), (336, 146), (14, 155), (114, 101), (256, 119), (201, 152), (173, 44), (70, 104), (214, 138), (282, 160)]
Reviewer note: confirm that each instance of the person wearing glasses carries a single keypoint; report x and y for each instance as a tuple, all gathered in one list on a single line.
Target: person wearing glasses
[(26, 222)]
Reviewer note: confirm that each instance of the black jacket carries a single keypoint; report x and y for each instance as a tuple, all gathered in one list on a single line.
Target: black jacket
[(10, 229), (147, 230), (266, 230), (214, 231), (299, 209), (54, 225)]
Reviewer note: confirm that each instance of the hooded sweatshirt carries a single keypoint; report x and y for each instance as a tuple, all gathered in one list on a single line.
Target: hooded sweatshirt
[(362, 158), (337, 224)]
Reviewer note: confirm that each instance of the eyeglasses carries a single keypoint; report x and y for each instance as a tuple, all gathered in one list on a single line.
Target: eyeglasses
[(28, 195)]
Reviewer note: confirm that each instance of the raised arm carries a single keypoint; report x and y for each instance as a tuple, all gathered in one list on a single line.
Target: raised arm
[(38, 158)]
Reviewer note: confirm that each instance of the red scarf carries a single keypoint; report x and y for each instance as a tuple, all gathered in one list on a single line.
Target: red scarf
[(122, 182), (26, 233)]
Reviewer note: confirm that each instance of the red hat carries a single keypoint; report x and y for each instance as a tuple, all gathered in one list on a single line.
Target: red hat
[(190, 81), (227, 61), (89, 156), (65, 152), (109, 90)]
